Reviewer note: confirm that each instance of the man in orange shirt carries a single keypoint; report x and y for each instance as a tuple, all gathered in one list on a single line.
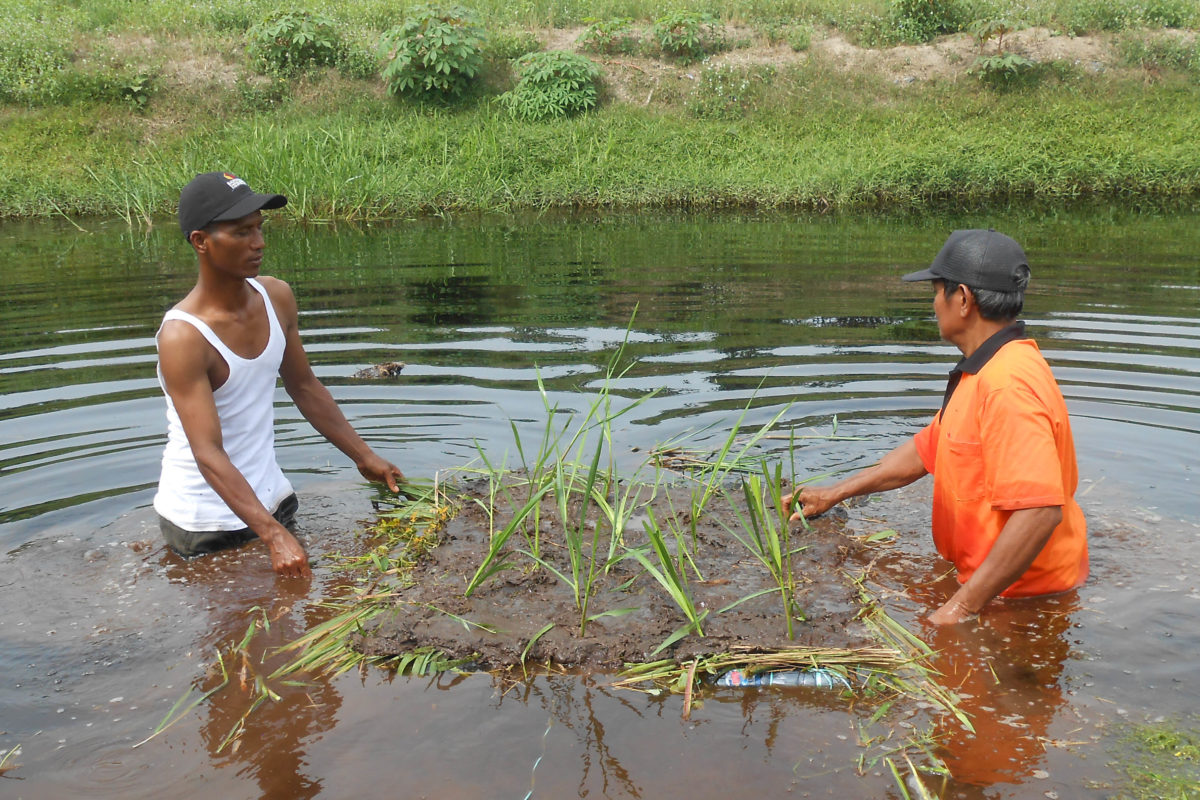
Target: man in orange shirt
[(1000, 449)]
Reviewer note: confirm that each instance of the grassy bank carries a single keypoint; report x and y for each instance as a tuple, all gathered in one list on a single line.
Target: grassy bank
[(144, 102)]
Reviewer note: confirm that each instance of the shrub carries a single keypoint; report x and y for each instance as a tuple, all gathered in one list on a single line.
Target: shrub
[(506, 45), (687, 34), (290, 41), (109, 81), (1001, 69), (437, 51), (1004, 71), (1161, 51), (554, 83), (258, 93), (922, 20), (728, 92), (799, 38), (32, 62), (1116, 15), (608, 36), (358, 62)]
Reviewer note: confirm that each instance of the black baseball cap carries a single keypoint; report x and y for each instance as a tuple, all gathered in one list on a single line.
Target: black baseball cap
[(981, 259), (219, 196)]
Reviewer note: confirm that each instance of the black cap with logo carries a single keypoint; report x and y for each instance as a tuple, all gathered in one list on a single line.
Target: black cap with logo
[(217, 197)]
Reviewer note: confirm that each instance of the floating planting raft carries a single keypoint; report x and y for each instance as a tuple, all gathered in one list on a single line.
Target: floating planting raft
[(687, 569)]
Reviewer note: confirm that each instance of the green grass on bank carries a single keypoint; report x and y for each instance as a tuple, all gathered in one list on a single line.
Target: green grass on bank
[(851, 16), (347, 155), (141, 98)]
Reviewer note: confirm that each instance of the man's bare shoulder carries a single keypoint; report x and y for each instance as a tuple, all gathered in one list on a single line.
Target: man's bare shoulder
[(275, 287), (182, 348), (281, 297)]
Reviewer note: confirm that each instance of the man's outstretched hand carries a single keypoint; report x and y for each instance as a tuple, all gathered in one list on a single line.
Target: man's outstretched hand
[(376, 469)]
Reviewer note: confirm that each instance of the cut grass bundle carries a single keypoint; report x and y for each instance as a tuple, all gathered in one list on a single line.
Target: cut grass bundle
[(877, 665)]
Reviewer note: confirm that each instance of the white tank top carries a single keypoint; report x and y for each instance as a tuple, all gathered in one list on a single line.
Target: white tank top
[(245, 406)]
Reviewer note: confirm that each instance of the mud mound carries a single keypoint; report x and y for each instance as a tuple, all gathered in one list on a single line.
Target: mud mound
[(630, 614)]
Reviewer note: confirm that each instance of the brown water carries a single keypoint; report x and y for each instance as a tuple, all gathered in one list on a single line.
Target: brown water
[(104, 632)]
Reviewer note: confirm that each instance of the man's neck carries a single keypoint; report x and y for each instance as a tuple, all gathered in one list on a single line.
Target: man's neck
[(222, 294), (978, 333)]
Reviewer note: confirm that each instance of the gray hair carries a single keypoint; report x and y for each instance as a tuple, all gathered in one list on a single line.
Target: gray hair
[(993, 305)]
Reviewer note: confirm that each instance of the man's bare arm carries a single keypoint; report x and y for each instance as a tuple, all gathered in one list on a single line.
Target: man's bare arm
[(1022, 538), (315, 402), (899, 467)]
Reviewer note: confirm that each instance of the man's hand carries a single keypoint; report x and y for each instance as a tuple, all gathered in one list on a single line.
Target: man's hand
[(952, 612), (813, 501), (288, 558), (376, 469)]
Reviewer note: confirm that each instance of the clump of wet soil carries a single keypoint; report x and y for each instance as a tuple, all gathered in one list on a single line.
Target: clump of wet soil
[(494, 626)]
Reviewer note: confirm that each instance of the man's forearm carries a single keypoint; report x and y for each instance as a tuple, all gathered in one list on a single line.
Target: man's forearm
[(232, 487), (1020, 541)]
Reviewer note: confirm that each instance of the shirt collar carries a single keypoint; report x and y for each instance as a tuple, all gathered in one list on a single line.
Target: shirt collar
[(977, 360)]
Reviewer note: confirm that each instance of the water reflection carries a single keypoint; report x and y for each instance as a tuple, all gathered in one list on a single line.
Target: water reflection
[(249, 615), (1007, 669)]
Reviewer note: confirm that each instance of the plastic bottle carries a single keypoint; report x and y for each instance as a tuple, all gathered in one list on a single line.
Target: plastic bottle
[(815, 677)]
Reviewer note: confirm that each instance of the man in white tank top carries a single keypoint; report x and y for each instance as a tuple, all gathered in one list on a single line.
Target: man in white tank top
[(219, 352)]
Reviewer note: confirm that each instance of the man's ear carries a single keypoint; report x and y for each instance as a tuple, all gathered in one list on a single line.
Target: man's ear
[(199, 240), (968, 300)]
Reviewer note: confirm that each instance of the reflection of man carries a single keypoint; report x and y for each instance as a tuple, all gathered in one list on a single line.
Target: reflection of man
[(1000, 450), (220, 350)]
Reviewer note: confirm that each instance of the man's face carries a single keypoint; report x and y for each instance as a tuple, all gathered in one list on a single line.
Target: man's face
[(236, 246), (948, 320)]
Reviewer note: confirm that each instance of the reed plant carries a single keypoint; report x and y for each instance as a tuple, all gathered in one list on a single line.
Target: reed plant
[(767, 535), (668, 571), (571, 472)]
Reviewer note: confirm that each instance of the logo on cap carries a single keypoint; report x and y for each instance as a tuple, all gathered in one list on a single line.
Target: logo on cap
[(233, 181)]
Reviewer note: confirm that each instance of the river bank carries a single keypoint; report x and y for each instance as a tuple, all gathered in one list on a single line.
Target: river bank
[(758, 123)]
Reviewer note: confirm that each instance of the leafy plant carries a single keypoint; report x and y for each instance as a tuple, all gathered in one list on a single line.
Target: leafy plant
[(727, 91), (1001, 69), (1159, 52), (688, 35), (608, 36), (138, 88), (32, 62), (290, 41), (358, 62), (985, 30), (437, 51), (554, 83), (922, 20), (799, 37), (504, 45), (259, 92)]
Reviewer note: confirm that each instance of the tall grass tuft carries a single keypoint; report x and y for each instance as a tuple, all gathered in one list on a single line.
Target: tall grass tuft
[(767, 535)]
